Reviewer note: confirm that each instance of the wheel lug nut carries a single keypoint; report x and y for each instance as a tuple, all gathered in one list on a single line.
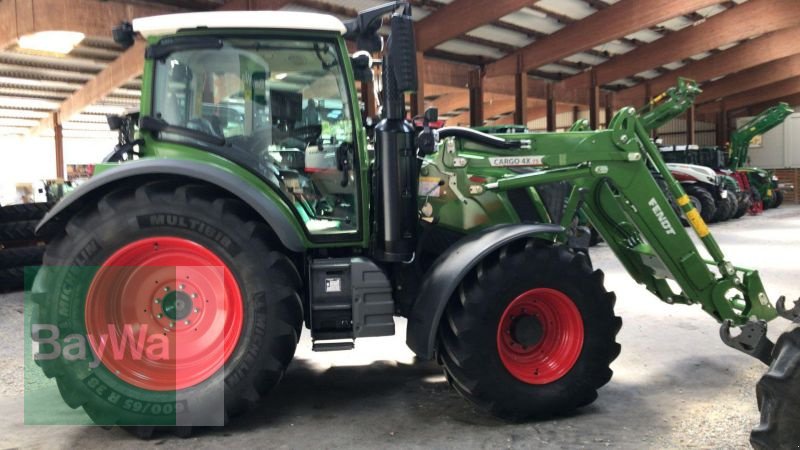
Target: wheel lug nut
[(172, 324), (194, 295), (181, 287), (166, 288), (196, 310), (158, 316), (157, 301), (186, 322)]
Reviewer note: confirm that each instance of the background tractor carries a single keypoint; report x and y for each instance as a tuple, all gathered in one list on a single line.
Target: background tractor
[(249, 208)]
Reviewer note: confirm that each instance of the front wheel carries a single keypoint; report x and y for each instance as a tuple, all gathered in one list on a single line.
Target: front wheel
[(778, 394), (198, 310), (530, 332), (778, 198), (703, 201)]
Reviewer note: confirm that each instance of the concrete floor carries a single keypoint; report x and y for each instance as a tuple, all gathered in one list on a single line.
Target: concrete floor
[(675, 385)]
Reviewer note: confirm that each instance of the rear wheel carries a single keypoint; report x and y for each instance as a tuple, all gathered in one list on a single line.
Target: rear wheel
[(703, 201), (199, 275), (530, 333), (778, 394), (778, 198), (745, 200)]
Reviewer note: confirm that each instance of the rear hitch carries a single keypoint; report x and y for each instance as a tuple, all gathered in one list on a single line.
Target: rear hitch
[(752, 339), (792, 313)]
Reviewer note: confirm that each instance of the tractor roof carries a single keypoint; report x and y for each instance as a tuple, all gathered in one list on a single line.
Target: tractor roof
[(287, 20)]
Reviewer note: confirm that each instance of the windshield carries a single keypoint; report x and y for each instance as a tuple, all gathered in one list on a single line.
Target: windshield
[(281, 107)]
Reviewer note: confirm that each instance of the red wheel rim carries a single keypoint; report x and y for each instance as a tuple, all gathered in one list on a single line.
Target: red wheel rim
[(558, 336), (178, 305)]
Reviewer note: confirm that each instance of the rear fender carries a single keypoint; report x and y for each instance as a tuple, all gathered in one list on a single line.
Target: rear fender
[(447, 272), (282, 223)]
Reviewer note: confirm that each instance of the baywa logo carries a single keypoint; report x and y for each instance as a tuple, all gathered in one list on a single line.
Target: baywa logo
[(662, 218), (130, 344)]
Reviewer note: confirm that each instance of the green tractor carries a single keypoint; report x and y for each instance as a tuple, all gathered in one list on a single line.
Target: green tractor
[(763, 183), (247, 207)]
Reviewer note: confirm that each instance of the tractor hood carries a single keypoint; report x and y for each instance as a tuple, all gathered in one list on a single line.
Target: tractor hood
[(698, 173)]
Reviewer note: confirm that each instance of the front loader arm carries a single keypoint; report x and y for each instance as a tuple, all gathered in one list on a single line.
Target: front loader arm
[(611, 171), (668, 105), (760, 124)]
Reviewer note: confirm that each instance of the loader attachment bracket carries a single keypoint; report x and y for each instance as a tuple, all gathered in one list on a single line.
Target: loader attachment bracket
[(752, 339)]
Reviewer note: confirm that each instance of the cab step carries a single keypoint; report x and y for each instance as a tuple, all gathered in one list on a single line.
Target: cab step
[(332, 346)]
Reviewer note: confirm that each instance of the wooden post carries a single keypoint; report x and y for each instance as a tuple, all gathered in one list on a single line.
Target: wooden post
[(59, 141), (609, 108), (476, 98), (368, 97), (418, 98), (576, 113), (594, 99), (690, 126), (722, 135), (521, 93), (551, 108), (648, 94)]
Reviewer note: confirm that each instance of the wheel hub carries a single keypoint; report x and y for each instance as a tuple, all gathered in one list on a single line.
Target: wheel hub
[(526, 330), (177, 305)]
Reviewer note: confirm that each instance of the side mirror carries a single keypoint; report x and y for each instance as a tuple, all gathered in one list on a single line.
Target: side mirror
[(114, 121), (362, 66), (123, 34)]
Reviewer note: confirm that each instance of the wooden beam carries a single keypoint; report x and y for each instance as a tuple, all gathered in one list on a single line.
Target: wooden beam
[(690, 126), (476, 98), (551, 108), (90, 17), (459, 17), (746, 80), (616, 21), (58, 139), (718, 30), (768, 93), (793, 100), (594, 94), (609, 112), (520, 93), (754, 52), (126, 67)]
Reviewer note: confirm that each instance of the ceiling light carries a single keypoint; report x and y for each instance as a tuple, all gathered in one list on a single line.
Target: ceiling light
[(280, 76), (61, 42)]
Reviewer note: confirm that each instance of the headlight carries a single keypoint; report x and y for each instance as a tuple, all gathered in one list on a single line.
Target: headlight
[(774, 178)]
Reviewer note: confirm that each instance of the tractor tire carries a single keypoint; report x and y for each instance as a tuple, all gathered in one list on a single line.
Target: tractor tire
[(703, 201), (733, 202), (724, 206), (12, 279), (24, 211), (21, 256), (744, 205), (186, 260), (18, 231), (497, 353), (594, 237), (778, 394), (778, 198)]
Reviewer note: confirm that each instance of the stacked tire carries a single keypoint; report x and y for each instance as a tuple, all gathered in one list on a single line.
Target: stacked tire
[(19, 247)]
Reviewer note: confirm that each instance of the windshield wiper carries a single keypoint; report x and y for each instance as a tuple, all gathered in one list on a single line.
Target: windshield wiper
[(167, 46), (157, 125)]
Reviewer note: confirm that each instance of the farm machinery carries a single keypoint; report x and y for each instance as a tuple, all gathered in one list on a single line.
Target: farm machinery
[(248, 208), (763, 183)]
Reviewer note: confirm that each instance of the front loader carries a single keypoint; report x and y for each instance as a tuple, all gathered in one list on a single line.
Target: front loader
[(762, 183), (250, 208)]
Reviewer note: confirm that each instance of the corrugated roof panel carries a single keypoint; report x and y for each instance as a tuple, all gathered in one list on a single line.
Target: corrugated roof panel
[(558, 68), (501, 35), (615, 47), (648, 74), (645, 35), (467, 48), (623, 82), (700, 56), (676, 23), (727, 46), (712, 10), (585, 58), (674, 65), (533, 20), (575, 9)]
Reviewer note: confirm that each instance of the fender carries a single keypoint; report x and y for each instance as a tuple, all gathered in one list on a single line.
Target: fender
[(446, 274), (284, 227)]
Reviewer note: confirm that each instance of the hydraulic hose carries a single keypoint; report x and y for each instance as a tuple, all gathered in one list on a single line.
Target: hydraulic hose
[(478, 137)]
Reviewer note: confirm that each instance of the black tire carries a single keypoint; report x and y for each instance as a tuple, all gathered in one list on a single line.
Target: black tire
[(778, 394), (745, 201), (778, 198), (12, 279), (268, 281), (469, 341), (21, 256), (703, 201), (23, 211), (594, 237), (18, 231), (733, 205), (724, 208)]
